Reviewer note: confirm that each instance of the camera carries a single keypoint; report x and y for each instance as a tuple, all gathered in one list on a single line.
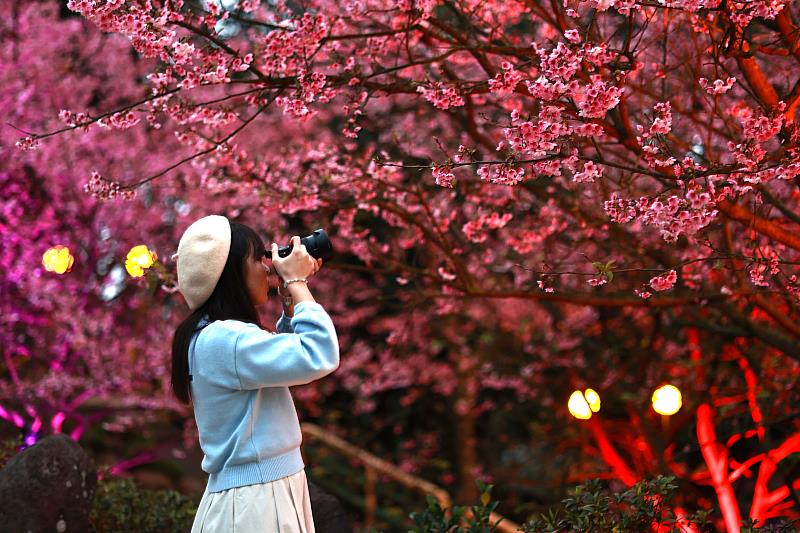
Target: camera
[(318, 245)]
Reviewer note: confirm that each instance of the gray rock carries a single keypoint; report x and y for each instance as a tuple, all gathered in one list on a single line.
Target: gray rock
[(48, 487), (329, 515)]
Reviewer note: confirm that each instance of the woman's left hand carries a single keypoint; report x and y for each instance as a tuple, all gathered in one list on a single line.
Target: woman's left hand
[(284, 292)]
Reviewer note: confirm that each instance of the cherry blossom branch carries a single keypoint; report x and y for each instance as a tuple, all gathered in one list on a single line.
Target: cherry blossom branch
[(244, 124), (83, 125), (584, 299), (199, 31)]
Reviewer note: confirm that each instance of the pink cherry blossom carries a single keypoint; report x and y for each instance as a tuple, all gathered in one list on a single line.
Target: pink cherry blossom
[(665, 282)]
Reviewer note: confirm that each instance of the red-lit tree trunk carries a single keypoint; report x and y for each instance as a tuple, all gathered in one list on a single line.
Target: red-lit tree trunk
[(466, 442)]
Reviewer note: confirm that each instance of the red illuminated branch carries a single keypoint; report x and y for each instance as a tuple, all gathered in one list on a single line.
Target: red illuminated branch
[(789, 31), (761, 225), (767, 503), (752, 391), (716, 457), (610, 454)]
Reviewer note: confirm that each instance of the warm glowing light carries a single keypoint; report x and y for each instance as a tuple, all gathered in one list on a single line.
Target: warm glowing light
[(139, 259), (593, 399), (667, 400), (578, 407), (57, 259)]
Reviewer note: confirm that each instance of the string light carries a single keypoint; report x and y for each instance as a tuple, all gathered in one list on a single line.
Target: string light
[(58, 259), (593, 399), (581, 405), (667, 400), (139, 259)]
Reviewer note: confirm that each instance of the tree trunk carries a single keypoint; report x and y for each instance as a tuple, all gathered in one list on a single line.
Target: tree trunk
[(466, 439)]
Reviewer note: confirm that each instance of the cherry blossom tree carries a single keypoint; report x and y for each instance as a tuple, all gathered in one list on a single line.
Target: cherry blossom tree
[(525, 197)]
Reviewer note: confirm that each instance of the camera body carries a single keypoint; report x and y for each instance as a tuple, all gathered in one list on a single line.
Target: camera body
[(318, 245)]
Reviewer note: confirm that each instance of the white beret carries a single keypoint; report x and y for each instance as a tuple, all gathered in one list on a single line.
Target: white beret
[(202, 253)]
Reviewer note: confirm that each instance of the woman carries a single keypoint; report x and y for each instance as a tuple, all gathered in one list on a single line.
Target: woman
[(237, 375)]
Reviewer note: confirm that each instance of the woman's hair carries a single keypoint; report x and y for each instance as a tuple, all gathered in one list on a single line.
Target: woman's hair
[(229, 300)]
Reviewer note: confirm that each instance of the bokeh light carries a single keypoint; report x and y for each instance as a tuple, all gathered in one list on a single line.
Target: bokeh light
[(667, 400), (139, 259), (593, 399), (578, 406), (58, 259)]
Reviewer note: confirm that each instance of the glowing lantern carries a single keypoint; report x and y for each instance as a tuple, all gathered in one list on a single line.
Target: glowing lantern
[(579, 407), (57, 259), (139, 259), (593, 399), (667, 400)]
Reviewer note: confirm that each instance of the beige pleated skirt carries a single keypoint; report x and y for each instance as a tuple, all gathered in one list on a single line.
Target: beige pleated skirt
[(280, 506)]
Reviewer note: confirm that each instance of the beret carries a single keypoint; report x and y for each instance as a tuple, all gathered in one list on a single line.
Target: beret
[(202, 253)]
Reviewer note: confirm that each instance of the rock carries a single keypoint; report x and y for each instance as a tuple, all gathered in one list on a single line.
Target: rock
[(329, 515), (48, 487)]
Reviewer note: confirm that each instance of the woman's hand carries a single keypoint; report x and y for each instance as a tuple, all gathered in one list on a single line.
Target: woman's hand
[(298, 264), (284, 291)]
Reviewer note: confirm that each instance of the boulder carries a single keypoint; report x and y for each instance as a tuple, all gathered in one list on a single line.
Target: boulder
[(329, 515), (48, 487)]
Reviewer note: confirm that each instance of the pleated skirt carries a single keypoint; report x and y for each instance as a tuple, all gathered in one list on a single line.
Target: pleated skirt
[(280, 506)]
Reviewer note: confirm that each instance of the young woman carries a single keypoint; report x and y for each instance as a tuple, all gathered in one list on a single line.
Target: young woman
[(237, 375)]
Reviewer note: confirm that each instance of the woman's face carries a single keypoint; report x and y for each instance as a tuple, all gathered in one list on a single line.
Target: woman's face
[(258, 274)]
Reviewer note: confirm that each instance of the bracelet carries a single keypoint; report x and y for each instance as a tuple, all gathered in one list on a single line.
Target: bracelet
[(286, 283)]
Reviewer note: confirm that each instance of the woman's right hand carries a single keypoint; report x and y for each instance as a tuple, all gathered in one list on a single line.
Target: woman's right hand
[(298, 264)]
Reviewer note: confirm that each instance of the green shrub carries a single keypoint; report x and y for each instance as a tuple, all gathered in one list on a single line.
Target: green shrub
[(589, 509), (121, 506), (434, 520), (8, 449), (593, 509)]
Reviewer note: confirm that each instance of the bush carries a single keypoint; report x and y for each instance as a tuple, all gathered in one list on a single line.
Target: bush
[(122, 506), (593, 509), (590, 509), (9, 448), (434, 520)]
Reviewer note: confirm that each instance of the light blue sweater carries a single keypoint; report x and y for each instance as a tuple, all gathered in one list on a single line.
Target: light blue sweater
[(241, 374)]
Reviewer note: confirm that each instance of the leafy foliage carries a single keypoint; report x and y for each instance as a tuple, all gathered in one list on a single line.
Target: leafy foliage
[(460, 519), (591, 508), (9, 448), (121, 506)]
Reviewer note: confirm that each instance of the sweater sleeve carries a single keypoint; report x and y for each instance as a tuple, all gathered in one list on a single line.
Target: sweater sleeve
[(284, 324), (263, 359)]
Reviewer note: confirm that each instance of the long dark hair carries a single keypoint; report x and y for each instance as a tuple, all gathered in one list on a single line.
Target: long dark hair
[(229, 301)]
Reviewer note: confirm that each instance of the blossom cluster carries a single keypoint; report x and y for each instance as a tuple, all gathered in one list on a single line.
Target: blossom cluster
[(675, 217), (757, 129), (596, 99), (444, 176), (718, 86), (664, 282), (441, 95), (589, 173), (285, 51), (654, 150), (742, 12), (476, 230), (105, 189), (503, 174), (505, 81)]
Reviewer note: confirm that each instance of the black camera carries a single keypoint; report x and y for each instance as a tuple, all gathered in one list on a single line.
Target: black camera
[(318, 245)]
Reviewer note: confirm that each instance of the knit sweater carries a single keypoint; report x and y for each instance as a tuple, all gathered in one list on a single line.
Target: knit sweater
[(240, 378)]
